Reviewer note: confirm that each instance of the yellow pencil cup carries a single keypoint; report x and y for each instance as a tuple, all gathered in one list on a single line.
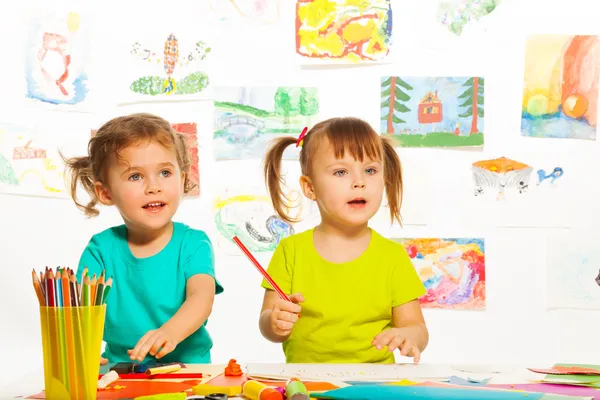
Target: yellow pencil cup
[(71, 344)]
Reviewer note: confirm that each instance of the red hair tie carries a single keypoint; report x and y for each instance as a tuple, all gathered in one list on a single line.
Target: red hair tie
[(301, 137)]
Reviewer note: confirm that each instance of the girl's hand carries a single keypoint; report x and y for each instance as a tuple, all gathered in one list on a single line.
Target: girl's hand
[(152, 342), (405, 339), (103, 361), (285, 314)]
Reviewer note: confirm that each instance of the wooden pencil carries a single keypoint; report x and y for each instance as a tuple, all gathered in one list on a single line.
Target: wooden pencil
[(85, 292), (50, 289), (99, 290), (38, 288), (74, 291), (66, 289), (93, 289), (107, 288)]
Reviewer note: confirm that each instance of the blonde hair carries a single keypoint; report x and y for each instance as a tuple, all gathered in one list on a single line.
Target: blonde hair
[(344, 134), (111, 138)]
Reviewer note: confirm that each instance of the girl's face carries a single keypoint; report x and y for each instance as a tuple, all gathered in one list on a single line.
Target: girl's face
[(145, 183), (348, 192)]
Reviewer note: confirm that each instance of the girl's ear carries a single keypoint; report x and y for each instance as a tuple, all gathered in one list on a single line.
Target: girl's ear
[(103, 194), (307, 187)]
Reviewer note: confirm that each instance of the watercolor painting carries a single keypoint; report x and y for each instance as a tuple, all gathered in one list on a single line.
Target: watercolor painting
[(173, 70), (433, 112), (56, 64), (263, 11), (456, 14), (190, 132), (248, 118), (503, 175), (573, 271), (343, 31), (560, 87), (30, 163), (251, 217), (452, 270)]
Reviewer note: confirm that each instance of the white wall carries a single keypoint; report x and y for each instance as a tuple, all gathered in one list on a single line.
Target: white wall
[(515, 327)]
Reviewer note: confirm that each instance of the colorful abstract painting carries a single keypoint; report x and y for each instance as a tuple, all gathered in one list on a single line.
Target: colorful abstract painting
[(345, 31), (573, 274), (169, 68), (433, 112), (251, 217), (560, 89), (503, 176), (56, 57), (248, 118), (30, 163), (452, 270), (456, 14), (263, 11)]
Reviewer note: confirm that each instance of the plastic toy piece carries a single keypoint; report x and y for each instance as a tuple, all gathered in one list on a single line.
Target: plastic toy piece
[(233, 369), (204, 390)]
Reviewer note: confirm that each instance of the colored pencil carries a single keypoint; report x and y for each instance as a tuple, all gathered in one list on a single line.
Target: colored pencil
[(74, 291), (99, 291), (38, 288), (107, 288), (50, 289), (66, 289), (86, 295), (260, 269), (93, 288)]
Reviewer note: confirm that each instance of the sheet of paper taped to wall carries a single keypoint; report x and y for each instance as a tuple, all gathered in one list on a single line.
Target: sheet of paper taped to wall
[(351, 372)]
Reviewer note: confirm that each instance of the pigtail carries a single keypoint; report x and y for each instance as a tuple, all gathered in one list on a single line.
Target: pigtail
[(273, 177), (393, 179), (80, 169)]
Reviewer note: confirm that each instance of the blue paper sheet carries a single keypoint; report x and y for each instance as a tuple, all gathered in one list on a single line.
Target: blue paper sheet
[(393, 392)]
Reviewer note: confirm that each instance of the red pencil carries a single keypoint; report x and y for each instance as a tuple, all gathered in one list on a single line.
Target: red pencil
[(260, 269)]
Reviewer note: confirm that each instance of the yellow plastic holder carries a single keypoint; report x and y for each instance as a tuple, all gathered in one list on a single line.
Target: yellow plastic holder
[(71, 345)]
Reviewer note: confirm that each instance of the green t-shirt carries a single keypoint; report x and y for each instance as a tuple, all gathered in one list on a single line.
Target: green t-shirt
[(346, 305), (147, 292)]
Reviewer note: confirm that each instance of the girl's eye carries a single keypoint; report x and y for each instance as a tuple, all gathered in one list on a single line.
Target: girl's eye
[(371, 171), (135, 177), (340, 172), (165, 173)]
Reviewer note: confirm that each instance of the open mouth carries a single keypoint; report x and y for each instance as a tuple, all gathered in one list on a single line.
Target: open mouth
[(157, 205), (357, 202)]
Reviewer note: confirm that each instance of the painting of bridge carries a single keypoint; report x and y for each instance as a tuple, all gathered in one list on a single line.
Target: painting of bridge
[(247, 119)]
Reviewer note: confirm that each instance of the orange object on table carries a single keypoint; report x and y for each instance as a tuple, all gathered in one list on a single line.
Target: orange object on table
[(233, 369)]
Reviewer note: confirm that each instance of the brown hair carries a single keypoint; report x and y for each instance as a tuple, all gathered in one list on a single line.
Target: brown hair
[(111, 138), (344, 134)]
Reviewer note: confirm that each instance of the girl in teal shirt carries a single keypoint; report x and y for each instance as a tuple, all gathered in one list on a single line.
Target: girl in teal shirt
[(163, 272)]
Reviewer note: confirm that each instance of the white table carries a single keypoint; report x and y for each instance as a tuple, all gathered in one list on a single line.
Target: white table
[(33, 382)]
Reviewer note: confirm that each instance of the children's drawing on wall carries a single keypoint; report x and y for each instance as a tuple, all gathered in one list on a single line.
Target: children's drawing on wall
[(433, 112), (263, 11), (252, 219), (190, 132), (247, 119), (573, 275), (30, 163), (452, 270), (503, 177), (560, 89), (343, 31), (170, 67), (456, 14), (56, 65)]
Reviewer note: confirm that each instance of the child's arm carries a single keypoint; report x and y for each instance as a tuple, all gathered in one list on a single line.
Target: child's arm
[(200, 295), (409, 334), (278, 316)]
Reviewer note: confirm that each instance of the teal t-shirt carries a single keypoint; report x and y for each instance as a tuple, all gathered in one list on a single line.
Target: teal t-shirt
[(147, 292)]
